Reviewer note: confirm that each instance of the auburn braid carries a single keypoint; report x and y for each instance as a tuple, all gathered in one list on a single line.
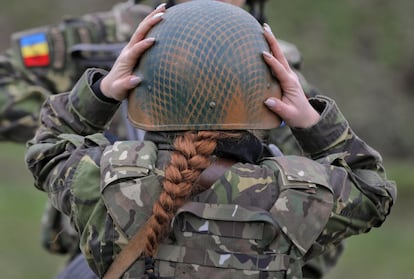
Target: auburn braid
[(191, 156)]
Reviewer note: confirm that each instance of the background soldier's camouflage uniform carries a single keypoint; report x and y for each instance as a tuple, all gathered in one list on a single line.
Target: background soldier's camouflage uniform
[(71, 46), (316, 203), (24, 86)]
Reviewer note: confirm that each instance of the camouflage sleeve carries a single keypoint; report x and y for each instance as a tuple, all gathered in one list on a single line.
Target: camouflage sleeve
[(333, 135), (364, 196), (64, 158), (342, 191), (70, 123)]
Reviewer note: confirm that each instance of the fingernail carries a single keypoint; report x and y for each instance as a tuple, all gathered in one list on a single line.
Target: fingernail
[(267, 54), (150, 39), (157, 15), (160, 6), (135, 80), (267, 28), (270, 103)]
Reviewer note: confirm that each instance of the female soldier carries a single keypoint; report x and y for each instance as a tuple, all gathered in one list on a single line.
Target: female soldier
[(200, 197)]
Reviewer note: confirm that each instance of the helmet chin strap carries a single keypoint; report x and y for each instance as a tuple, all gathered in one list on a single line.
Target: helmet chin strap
[(170, 3), (256, 8)]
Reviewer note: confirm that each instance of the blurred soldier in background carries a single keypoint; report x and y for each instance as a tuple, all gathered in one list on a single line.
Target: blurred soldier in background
[(50, 59)]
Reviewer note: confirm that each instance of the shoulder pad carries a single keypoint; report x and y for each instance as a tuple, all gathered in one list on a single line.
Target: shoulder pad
[(305, 201), (128, 183), (125, 159), (43, 53)]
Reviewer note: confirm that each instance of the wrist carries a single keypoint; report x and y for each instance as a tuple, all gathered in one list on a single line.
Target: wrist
[(98, 89), (323, 134), (312, 118)]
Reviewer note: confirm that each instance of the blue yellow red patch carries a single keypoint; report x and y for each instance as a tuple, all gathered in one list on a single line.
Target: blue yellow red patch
[(35, 50)]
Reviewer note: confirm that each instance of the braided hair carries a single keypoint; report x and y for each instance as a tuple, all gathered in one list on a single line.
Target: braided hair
[(191, 155)]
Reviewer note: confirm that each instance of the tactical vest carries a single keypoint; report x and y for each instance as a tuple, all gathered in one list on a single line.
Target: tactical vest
[(220, 240)]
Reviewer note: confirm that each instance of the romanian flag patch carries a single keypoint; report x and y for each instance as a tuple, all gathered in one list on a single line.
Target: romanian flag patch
[(35, 50)]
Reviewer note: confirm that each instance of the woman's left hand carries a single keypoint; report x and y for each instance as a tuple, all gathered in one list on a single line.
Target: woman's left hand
[(294, 107), (121, 79)]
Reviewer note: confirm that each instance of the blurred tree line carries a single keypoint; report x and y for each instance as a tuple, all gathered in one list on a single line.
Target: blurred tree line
[(358, 52)]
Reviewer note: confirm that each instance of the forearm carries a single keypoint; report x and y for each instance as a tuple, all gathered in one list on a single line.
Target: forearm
[(81, 111), (332, 138), (70, 131), (363, 194)]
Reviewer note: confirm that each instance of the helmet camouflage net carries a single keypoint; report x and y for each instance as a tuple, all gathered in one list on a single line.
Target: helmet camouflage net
[(204, 72)]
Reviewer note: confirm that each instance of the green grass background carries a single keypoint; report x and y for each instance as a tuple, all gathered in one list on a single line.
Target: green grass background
[(383, 253), (21, 207)]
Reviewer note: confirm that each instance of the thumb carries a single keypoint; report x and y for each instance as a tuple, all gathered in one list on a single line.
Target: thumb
[(134, 81), (276, 106), (120, 88)]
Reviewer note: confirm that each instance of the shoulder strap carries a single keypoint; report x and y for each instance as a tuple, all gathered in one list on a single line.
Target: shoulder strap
[(129, 254)]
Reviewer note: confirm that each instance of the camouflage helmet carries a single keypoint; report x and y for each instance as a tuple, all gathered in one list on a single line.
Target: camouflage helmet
[(205, 72)]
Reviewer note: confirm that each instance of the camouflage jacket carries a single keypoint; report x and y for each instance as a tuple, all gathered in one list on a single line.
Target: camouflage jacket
[(300, 205), (48, 60)]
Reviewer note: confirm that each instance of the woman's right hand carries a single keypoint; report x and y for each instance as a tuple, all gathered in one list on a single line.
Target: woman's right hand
[(120, 80), (294, 107)]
